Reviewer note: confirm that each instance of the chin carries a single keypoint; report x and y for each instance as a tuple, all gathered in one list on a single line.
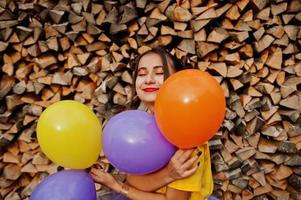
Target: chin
[(149, 100)]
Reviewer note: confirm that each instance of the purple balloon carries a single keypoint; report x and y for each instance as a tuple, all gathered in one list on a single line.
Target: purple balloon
[(66, 185), (133, 143), (212, 198)]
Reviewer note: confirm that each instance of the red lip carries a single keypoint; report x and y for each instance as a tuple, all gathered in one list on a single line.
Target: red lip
[(150, 89)]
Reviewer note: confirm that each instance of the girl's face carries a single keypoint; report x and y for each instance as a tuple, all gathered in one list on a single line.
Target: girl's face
[(150, 77)]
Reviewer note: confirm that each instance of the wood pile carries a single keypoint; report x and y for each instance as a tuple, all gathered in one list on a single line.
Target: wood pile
[(52, 50)]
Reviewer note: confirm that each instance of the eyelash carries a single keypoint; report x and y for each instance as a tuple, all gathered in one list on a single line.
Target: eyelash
[(159, 73)]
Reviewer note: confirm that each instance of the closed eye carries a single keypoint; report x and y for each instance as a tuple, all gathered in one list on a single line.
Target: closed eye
[(142, 72)]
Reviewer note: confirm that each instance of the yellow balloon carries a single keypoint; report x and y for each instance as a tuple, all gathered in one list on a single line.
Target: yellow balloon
[(69, 133)]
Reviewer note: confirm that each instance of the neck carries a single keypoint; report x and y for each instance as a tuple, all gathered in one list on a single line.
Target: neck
[(150, 106)]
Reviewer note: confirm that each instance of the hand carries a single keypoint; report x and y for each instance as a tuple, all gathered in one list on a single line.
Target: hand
[(181, 165), (105, 178)]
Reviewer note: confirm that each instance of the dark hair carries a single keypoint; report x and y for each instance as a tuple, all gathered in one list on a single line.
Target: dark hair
[(167, 60)]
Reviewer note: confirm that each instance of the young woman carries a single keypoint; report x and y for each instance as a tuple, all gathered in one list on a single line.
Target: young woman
[(187, 176)]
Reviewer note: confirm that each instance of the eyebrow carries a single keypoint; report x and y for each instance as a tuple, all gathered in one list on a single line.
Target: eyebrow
[(156, 67)]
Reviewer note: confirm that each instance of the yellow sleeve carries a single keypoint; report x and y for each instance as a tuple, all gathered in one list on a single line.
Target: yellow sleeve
[(201, 182)]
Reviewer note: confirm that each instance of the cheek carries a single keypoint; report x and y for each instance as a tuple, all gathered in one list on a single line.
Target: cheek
[(160, 80), (138, 83), (139, 92)]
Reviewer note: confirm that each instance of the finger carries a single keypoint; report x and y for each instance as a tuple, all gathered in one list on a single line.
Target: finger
[(96, 165), (190, 172), (95, 171), (185, 155), (95, 177), (189, 163), (92, 170), (178, 154)]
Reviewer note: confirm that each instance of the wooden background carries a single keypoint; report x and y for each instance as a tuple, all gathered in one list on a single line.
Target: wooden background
[(80, 49)]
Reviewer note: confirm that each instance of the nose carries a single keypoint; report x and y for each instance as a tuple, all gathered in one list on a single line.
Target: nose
[(150, 78)]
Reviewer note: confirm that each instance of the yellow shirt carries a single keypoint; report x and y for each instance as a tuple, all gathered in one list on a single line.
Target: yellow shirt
[(200, 184)]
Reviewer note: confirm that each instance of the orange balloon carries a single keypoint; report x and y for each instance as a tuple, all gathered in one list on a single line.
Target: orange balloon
[(189, 108)]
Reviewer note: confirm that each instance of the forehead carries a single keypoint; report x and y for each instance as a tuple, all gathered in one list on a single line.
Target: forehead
[(150, 60)]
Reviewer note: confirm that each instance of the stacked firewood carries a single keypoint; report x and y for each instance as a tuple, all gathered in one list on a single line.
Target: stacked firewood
[(52, 50)]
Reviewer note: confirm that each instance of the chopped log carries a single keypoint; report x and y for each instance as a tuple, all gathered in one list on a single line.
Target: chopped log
[(291, 31), (119, 99), (264, 14), (195, 3), (262, 190), (218, 35), (287, 147), (209, 14), (230, 146), (62, 78), (260, 178), (253, 140), (221, 68), (204, 48), (129, 14), (143, 30), (180, 26), (275, 61), (46, 61), (198, 10), (223, 9), (266, 146), (263, 43), (271, 131), (12, 172), (6, 84), (292, 102), (165, 30), (157, 14), (141, 3), (259, 4), (181, 14), (233, 13), (276, 183), (187, 45), (245, 153), (56, 15), (196, 25), (200, 36), (3, 46), (185, 34)]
